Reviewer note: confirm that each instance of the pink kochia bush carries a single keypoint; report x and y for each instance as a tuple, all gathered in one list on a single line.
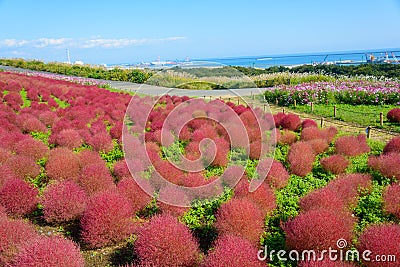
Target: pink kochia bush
[(335, 164), (291, 122), (352, 145), (69, 138), (318, 230), (274, 171), (324, 198), (233, 251), (49, 251), (392, 146), (138, 198), (63, 164), (393, 115), (387, 164), (32, 148), (166, 242), (241, 217), (95, 178), (14, 234), (106, 219), (301, 158), (63, 201), (24, 167), (391, 200), (381, 240), (18, 197)]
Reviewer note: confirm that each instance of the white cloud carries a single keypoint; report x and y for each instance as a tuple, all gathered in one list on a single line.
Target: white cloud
[(83, 42)]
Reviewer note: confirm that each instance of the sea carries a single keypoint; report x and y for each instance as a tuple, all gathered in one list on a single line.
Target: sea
[(288, 60)]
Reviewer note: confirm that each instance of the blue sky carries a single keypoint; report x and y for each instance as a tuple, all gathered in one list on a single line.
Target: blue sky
[(133, 31)]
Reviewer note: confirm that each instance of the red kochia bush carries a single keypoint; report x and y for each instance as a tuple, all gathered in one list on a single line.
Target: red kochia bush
[(241, 217), (88, 157), (121, 169), (63, 164), (393, 115), (32, 148), (14, 234), (233, 251), (352, 145), (50, 251), (318, 145), (318, 230), (291, 122), (264, 196), (392, 146), (349, 186), (95, 178), (381, 240), (102, 142), (335, 164), (307, 123), (24, 167), (323, 198), (69, 138), (387, 164), (63, 201), (278, 176), (106, 219), (301, 158), (18, 197), (166, 242), (287, 137), (391, 200), (138, 198)]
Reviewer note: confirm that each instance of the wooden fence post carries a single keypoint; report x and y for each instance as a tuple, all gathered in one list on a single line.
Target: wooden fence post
[(283, 110), (334, 111), (322, 122), (381, 118), (276, 101), (264, 107), (312, 106), (294, 103), (368, 130)]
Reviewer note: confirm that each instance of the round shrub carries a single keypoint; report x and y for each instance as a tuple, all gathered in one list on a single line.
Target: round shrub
[(392, 146), (291, 122), (301, 158), (18, 197), (106, 219), (287, 137), (50, 251), (233, 251), (387, 164), (95, 178), (121, 169), (393, 115), (102, 142), (335, 164), (14, 234), (381, 239), (174, 201), (4, 155), (349, 186), (166, 242), (352, 145), (307, 123), (63, 201), (138, 198), (69, 138), (318, 230), (63, 164), (264, 196), (88, 157), (391, 200), (323, 198), (32, 148), (240, 217), (24, 167), (318, 145)]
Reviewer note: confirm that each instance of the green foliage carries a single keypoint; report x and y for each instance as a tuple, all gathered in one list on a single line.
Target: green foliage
[(369, 209), (113, 156), (61, 103), (116, 74), (358, 164), (44, 137), (24, 96)]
